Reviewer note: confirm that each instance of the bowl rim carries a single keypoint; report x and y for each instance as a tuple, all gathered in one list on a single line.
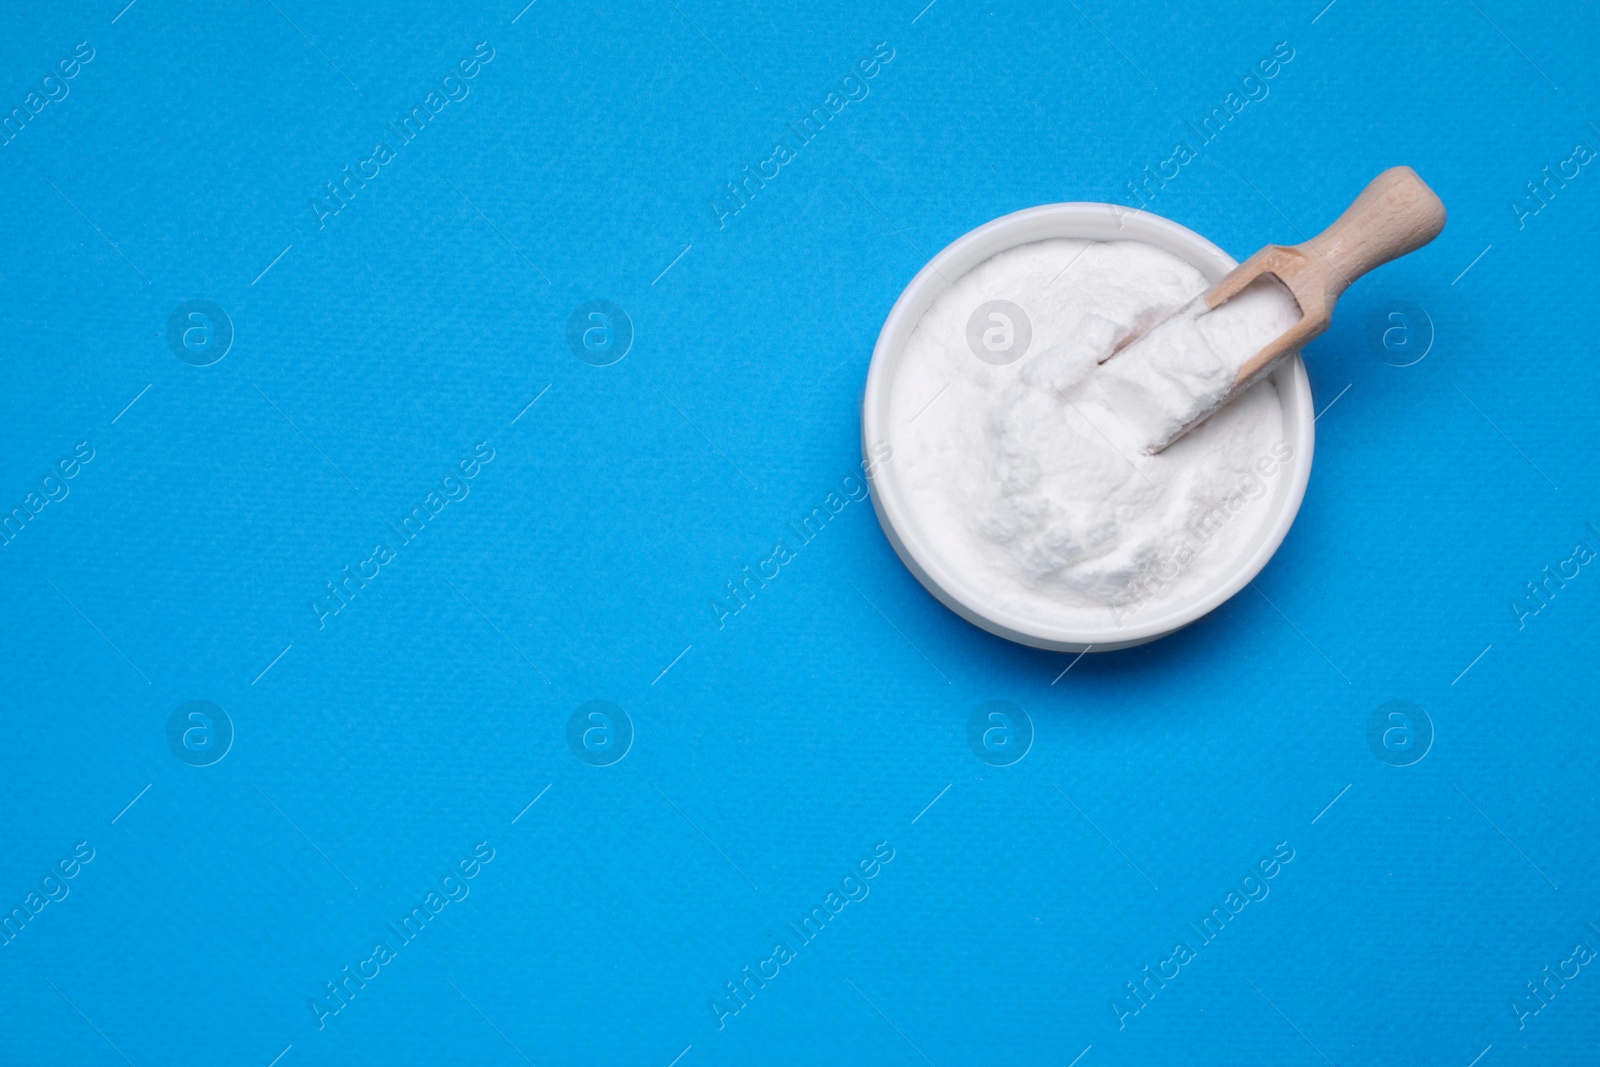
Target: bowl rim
[(1083, 220)]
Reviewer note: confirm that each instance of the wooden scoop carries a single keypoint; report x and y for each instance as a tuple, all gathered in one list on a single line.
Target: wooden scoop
[(1397, 213)]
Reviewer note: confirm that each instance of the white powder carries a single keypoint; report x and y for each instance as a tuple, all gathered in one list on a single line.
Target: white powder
[(1186, 365), (1031, 478)]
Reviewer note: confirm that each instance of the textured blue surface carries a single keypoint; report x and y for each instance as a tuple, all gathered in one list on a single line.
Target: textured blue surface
[(375, 748)]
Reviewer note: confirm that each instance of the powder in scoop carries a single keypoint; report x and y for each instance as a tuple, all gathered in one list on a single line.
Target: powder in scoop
[(1185, 366), (1026, 472)]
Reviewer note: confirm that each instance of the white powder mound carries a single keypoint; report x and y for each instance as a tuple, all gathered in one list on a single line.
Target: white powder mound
[(1186, 365), (1030, 479)]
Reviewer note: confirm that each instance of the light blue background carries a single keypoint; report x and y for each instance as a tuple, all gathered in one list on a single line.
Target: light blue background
[(825, 716)]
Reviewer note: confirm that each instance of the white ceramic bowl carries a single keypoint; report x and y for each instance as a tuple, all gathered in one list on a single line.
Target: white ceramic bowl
[(1095, 222)]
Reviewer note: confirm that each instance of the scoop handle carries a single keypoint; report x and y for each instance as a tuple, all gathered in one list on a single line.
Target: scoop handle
[(1395, 214)]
